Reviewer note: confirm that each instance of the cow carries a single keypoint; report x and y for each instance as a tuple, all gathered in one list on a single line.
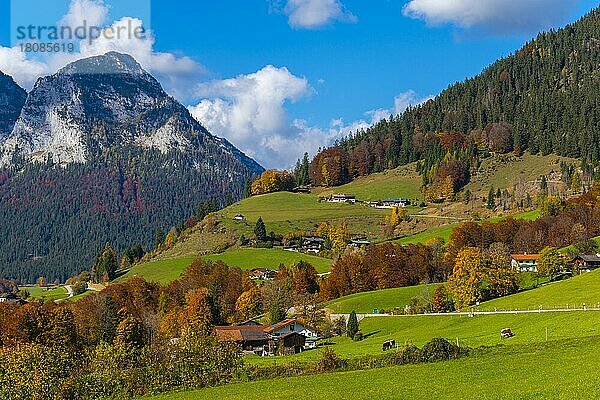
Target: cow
[(388, 345), (506, 333)]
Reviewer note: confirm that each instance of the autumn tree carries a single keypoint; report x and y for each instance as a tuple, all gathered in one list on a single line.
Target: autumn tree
[(130, 333), (550, 262), (576, 182), (441, 302), (397, 215), (197, 314), (330, 167), (466, 282), (273, 181), (499, 275), (249, 304)]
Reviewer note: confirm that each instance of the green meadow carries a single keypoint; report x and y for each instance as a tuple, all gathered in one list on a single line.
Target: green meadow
[(250, 258), (366, 302), (554, 370), (36, 292), (569, 293), (161, 271)]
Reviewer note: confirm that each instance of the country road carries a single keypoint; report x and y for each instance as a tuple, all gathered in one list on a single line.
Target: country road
[(69, 291), (562, 310)]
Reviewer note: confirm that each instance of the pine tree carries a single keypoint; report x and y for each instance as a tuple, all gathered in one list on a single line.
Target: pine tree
[(491, 201), (160, 237), (260, 231), (106, 264), (576, 183), (352, 326)]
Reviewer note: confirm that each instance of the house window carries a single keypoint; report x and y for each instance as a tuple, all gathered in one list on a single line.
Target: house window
[(292, 327)]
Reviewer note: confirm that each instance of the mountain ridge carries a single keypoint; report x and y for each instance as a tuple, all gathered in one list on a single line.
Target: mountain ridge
[(101, 153)]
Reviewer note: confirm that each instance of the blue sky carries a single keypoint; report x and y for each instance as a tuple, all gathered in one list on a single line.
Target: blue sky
[(280, 77)]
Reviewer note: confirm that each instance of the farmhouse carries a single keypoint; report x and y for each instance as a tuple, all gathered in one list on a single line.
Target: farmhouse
[(11, 298), (253, 339), (587, 263), (392, 203), (525, 262), (285, 338), (262, 274), (342, 198), (312, 245), (293, 325), (359, 243), (239, 217)]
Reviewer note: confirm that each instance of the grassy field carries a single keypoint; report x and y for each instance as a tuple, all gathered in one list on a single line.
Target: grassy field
[(572, 293), (165, 271), (285, 212), (365, 303), (442, 232), (57, 293), (481, 330), (247, 258), (403, 182), (504, 174), (557, 370), (162, 271)]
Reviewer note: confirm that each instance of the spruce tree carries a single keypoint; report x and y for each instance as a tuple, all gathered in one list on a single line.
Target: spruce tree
[(260, 231), (352, 326)]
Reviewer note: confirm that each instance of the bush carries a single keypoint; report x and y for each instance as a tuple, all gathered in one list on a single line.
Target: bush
[(439, 349), (358, 336), (79, 288), (329, 361), (409, 354)]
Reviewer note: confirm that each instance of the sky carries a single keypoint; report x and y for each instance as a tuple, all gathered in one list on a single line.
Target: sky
[(278, 78)]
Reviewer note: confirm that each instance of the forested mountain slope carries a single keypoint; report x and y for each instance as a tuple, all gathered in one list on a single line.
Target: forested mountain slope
[(100, 153), (543, 98)]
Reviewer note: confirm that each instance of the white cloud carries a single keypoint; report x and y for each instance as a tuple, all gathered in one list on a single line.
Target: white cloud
[(311, 14), (24, 71), (88, 12), (250, 112), (496, 16), (172, 71), (401, 103)]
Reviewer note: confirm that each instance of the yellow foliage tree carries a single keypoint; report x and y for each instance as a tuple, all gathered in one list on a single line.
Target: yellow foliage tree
[(467, 277), (249, 304)]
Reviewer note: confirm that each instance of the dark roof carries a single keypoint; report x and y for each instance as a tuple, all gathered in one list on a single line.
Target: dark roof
[(594, 258), (240, 333)]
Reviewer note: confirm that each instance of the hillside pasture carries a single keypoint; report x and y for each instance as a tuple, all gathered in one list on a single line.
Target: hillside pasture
[(554, 370), (386, 299), (250, 258)]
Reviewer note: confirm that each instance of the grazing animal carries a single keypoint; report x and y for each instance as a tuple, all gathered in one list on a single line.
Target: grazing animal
[(388, 345)]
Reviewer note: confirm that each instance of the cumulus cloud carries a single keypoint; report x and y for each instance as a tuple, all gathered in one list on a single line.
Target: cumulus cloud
[(90, 12), (496, 16), (172, 71), (250, 111), (24, 71), (401, 103), (311, 14)]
